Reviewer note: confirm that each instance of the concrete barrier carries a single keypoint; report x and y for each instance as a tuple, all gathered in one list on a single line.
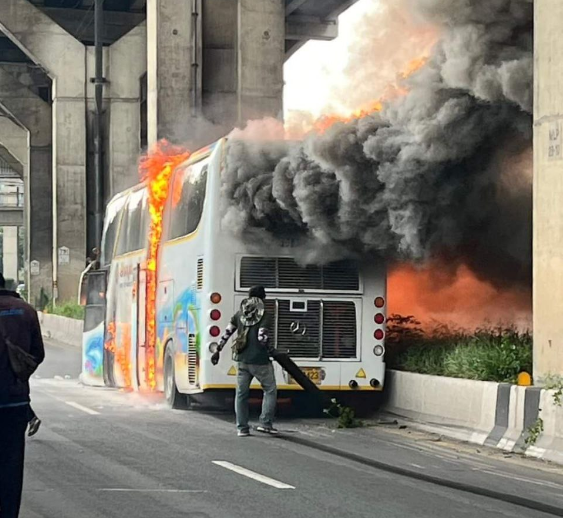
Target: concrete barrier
[(62, 329), (549, 445), (467, 406), (495, 414)]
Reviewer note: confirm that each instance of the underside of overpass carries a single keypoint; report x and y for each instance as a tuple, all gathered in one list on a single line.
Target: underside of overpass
[(185, 70)]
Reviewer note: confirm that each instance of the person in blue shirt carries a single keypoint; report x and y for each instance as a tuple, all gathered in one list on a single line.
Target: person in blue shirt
[(19, 326)]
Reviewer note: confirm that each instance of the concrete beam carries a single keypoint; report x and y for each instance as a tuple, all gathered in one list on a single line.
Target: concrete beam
[(9, 159), (298, 29), (14, 138), (293, 6), (63, 58), (11, 217)]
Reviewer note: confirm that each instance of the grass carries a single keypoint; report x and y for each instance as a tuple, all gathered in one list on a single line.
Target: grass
[(488, 354), (66, 309)]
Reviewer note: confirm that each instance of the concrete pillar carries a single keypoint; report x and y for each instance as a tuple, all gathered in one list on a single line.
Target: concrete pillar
[(35, 115), (127, 63), (10, 253), (548, 190), (261, 54), (229, 70), (169, 68), (63, 58)]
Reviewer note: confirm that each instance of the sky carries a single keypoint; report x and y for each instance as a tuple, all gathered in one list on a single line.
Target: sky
[(314, 70)]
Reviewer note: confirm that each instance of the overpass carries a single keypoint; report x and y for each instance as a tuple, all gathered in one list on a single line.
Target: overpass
[(186, 70)]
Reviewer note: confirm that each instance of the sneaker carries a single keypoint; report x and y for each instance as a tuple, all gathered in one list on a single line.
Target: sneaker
[(34, 425), (243, 433), (267, 429)]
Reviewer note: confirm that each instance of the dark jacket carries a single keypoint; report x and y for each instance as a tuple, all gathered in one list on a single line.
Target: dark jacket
[(256, 351), (19, 322)]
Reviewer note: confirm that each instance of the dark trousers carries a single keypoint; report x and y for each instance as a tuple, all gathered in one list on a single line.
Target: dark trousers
[(13, 423)]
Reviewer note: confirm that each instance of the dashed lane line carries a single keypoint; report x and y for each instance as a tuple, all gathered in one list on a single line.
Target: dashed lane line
[(252, 474), (85, 409)]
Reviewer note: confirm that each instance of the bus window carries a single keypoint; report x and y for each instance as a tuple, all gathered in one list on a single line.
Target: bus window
[(130, 235), (134, 223), (188, 197), (113, 217)]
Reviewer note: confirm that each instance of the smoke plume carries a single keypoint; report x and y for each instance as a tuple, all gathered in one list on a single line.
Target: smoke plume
[(441, 171)]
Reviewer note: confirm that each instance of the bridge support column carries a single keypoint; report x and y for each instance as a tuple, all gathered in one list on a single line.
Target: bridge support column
[(221, 61), (35, 115), (548, 190), (261, 54), (127, 64), (63, 57)]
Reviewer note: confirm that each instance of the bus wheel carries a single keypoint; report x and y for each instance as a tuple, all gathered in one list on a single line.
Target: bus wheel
[(174, 398)]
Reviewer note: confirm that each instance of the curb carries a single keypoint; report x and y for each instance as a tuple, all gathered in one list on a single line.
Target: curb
[(467, 488)]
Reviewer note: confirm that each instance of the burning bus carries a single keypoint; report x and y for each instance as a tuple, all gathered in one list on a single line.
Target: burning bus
[(171, 275)]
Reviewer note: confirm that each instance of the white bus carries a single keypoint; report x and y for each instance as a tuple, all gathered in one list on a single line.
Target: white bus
[(330, 318)]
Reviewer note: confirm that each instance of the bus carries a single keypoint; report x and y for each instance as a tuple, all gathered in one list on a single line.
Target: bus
[(329, 318)]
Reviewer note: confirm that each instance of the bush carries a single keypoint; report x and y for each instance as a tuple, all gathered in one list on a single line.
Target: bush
[(490, 354), (66, 309)]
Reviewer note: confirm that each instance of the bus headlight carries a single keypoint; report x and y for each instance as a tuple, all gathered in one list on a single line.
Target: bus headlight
[(213, 347), (378, 350)]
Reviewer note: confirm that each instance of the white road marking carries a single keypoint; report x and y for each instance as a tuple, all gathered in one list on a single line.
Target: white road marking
[(125, 490), (522, 479), (251, 474), (85, 409)]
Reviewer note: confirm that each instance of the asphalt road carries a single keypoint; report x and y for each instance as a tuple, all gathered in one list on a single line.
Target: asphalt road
[(103, 453)]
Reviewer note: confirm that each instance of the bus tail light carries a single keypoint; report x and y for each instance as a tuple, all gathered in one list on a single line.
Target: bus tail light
[(214, 331), (215, 314), (216, 298), (379, 318), (213, 347), (379, 334), (379, 302)]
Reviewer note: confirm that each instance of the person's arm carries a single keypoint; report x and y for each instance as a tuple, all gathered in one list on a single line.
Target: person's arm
[(229, 331), (264, 334), (231, 328), (37, 349)]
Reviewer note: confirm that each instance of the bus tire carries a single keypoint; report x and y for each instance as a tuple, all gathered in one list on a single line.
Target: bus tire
[(174, 398)]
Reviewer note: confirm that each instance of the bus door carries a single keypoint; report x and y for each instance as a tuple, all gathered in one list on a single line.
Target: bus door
[(93, 350), (140, 306)]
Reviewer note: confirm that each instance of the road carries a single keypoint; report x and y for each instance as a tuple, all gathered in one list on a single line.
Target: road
[(103, 453)]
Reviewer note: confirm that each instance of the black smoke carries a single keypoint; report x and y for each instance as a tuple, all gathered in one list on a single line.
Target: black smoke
[(437, 173)]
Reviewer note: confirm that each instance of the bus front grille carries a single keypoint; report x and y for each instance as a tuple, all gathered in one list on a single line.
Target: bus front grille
[(326, 330)]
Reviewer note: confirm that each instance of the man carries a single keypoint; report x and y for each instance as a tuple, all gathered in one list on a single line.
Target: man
[(20, 326), (252, 351)]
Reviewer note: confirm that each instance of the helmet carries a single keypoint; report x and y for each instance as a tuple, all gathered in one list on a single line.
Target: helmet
[(251, 311)]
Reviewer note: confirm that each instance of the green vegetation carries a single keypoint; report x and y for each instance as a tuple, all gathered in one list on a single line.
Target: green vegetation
[(66, 309), (345, 415), (488, 354)]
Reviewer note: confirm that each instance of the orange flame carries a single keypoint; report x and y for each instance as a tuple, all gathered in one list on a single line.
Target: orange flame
[(438, 293), (324, 122), (121, 353), (156, 170)]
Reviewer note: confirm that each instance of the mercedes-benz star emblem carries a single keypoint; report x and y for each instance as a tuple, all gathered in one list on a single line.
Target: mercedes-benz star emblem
[(295, 328)]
